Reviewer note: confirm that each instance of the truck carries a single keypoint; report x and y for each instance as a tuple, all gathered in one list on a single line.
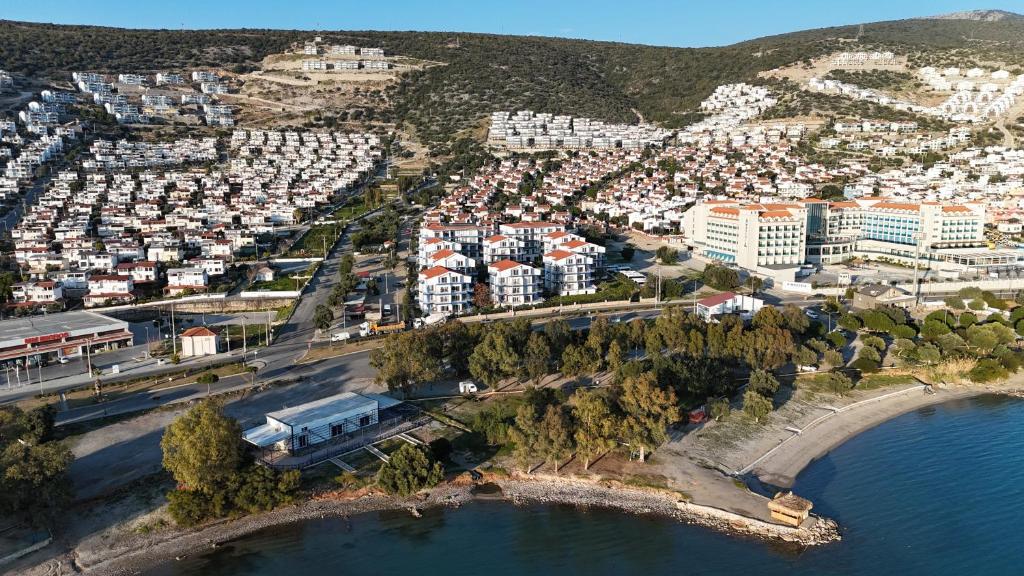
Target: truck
[(340, 336), (370, 328), (435, 318)]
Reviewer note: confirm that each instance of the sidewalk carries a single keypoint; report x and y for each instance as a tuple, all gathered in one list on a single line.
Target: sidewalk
[(128, 371)]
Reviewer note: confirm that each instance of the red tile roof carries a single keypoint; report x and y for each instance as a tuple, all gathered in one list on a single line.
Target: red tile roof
[(717, 299)]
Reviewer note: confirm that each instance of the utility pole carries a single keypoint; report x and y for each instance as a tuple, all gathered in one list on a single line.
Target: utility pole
[(39, 365), (917, 260), (244, 348), (174, 332)]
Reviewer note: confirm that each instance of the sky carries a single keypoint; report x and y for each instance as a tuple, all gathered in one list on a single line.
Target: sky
[(687, 23)]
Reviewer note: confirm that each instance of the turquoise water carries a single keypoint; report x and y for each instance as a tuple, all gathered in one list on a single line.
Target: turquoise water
[(938, 491)]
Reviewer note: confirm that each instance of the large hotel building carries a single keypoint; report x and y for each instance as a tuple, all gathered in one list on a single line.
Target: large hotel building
[(775, 239)]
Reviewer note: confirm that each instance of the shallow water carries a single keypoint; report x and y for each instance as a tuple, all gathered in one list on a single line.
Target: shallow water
[(937, 491)]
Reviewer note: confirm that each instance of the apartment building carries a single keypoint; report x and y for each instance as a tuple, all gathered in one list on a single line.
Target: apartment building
[(468, 236), (515, 284), (140, 272), (501, 247), (181, 280), (567, 273), (768, 238), (444, 290), (530, 235), (109, 289), (428, 247), (42, 292), (453, 261)]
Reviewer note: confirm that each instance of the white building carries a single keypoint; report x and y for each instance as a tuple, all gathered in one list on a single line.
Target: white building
[(514, 284), (446, 291), (567, 273)]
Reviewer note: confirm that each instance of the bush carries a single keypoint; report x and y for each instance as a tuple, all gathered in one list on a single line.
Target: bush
[(188, 507), (837, 339), (833, 358), (719, 408), (987, 370), (762, 382), (955, 303), (756, 406), (904, 331), (870, 353), (207, 378), (977, 304), (410, 469), (968, 319), (720, 278), (865, 365), (836, 383), (873, 341)]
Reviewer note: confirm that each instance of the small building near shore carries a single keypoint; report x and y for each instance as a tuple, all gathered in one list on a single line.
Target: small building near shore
[(200, 341), (789, 509), (312, 423)]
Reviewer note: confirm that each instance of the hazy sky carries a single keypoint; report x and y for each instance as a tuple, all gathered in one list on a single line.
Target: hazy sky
[(660, 22)]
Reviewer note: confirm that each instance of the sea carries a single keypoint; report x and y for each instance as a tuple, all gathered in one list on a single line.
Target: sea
[(937, 491)]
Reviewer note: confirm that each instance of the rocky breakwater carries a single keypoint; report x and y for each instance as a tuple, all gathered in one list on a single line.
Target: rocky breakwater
[(613, 495)]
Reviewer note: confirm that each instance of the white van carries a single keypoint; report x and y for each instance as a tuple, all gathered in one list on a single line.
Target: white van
[(340, 336)]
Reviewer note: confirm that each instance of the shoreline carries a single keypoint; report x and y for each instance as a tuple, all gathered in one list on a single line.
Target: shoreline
[(786, 461), (141, 552)]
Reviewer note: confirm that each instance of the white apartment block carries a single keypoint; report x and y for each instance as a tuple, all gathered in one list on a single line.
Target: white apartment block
[(769, 238), (531, 235), (113, 289), (446, 291), (568, 273), (501, 247), (515, 284), (453, 261), (186, 279), (428, 247)]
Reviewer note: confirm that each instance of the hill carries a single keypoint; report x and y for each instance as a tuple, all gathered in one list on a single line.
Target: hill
[(482, 72)]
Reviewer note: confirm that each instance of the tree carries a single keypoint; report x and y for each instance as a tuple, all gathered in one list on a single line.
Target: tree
[(408, 470), (804, 356), (406, 361), (203, 448), (667, 256), (524, 434), (756, 406), (556, 439), (482, 296), (615, 356), (494, 359), (559, 335), (768, 317), (649, 410), (627, 252), (595, 424), (720, 278), (719, 408), (834, 358), (537, 357), (764, 383), (579, 359), (322, 317)]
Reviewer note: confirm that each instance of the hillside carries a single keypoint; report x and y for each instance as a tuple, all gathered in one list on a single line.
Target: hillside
[(482, 73)]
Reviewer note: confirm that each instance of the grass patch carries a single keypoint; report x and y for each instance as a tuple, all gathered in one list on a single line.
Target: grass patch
[(876, 381)]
